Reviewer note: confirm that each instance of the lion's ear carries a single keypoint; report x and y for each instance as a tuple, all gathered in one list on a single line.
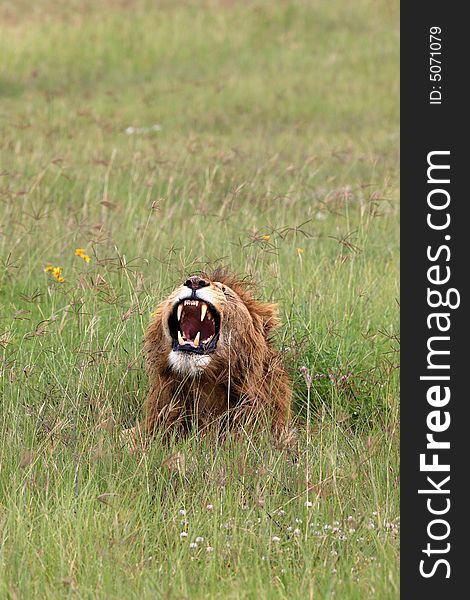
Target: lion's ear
[(267, 313)]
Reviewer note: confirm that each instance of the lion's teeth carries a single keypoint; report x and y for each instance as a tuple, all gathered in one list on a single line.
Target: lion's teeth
[(180, 339), (206, 341), (197, 338), (203, 312), (180, 310)]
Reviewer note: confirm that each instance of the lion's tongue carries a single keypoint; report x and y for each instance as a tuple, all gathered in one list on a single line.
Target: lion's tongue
[(191, 326), (190, 329)]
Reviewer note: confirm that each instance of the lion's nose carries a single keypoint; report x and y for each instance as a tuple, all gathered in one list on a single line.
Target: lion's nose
[(195, 282)]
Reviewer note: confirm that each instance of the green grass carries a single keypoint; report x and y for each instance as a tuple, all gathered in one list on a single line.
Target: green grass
[(274, 119)]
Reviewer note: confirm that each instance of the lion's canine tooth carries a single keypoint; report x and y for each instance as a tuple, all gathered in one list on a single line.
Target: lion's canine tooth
[(197, 338), (180, 310), (203, 311), (181, 341)]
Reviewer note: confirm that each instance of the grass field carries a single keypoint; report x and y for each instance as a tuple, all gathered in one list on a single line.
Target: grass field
[(163, 138)]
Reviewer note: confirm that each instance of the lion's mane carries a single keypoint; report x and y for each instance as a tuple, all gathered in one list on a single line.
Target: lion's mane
[(239, 379)]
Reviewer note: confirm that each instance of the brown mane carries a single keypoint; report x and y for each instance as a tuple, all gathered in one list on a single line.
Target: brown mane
[(240, 379)]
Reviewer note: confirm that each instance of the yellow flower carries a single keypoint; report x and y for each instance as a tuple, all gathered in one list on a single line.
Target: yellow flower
[(56, 273), (82, 254), (265, 237), (299, 251)]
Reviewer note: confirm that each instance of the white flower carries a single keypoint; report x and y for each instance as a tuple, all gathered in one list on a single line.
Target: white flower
[(210, 507), (183, 534), (130, 130), (182, 512), (199, 540), (308, 504), (275, 538), (297, 531), (193, 545), (209, 549)]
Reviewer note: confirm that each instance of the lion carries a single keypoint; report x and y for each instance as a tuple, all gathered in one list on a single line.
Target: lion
[(210, 359)]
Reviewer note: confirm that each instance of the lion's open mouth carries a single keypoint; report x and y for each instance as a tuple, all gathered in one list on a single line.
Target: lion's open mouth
[(194, 326)]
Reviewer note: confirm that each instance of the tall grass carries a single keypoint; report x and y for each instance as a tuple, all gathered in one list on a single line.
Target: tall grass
[(166, 138)]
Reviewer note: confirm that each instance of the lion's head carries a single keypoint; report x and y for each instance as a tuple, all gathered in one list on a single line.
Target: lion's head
[(208, 351), (208, 318)]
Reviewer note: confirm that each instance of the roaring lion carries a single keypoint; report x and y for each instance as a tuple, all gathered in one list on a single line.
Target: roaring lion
[(210, 359)]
